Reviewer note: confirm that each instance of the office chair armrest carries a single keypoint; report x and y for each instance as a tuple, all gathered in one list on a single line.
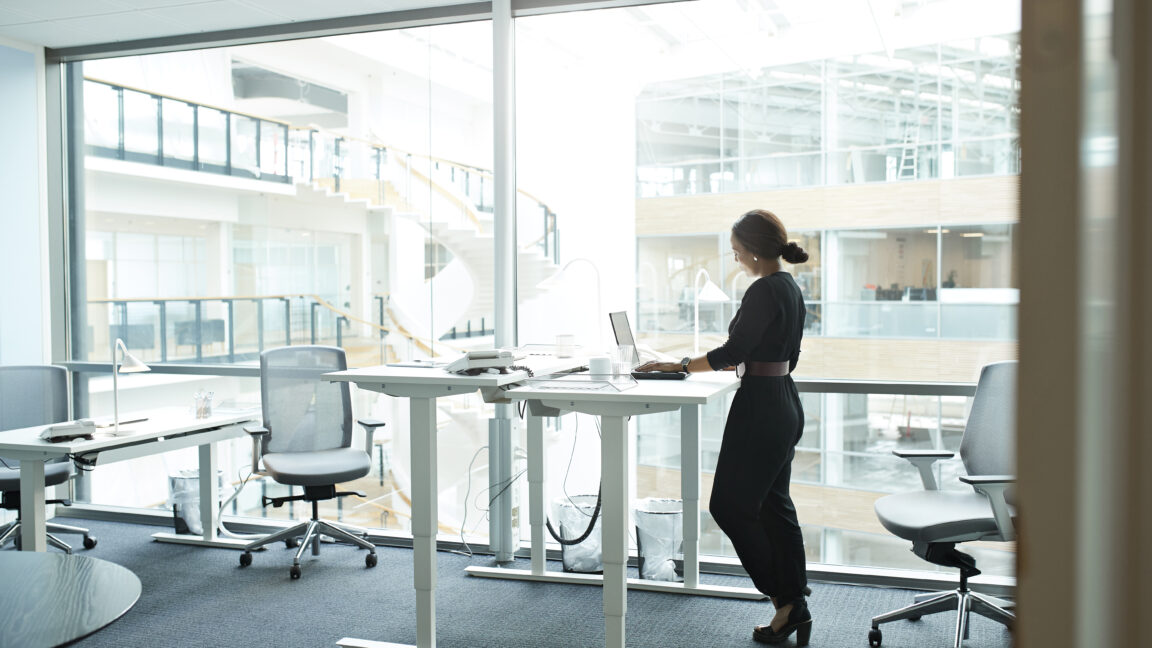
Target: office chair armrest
[(257, 433), (370, 426), (923, 460), (993, 487)]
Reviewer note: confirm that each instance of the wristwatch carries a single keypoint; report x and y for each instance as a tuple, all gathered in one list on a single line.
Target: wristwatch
[(684, 363)]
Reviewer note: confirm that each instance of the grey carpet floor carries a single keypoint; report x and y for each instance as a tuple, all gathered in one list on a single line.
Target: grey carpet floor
[(195, 597)]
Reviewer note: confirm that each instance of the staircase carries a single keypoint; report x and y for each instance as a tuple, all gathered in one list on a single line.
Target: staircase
[(465, 231)]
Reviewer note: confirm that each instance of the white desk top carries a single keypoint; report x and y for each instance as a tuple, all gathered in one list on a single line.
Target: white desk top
[(163, 422), (383, 374), (695, 389), (419, 376)]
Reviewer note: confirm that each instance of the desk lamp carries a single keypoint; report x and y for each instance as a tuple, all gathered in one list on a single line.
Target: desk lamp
[(131, 364), (710, 292), (555, 279)]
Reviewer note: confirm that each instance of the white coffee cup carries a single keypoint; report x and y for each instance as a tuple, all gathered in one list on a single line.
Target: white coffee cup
[(599, 365)]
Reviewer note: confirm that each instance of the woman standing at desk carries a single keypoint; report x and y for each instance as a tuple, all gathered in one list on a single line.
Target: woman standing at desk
[(750, 499)]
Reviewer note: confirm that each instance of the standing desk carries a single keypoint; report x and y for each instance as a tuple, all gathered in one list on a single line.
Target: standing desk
[(421, 386), (163, 430), (614, 408)]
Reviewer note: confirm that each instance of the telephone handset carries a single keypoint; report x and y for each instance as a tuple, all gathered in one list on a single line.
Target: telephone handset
[(483, 359)]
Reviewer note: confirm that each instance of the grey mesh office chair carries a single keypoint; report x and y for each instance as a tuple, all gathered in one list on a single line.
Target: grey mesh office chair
[(306, 441), (936, 521), (34, 395)]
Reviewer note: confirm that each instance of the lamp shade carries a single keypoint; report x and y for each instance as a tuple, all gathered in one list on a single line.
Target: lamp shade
[(711, 293), (132, 364)]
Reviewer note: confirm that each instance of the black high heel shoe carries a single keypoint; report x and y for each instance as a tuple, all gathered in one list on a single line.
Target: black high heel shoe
[(799, 621)]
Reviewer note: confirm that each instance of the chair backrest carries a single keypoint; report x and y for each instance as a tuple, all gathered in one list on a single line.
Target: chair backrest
[(989, 443), (33, 395), (302, 411)]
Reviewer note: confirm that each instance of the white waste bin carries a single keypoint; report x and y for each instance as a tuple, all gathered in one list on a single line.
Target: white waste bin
[(660, 539), (184, 498), (573, 515)]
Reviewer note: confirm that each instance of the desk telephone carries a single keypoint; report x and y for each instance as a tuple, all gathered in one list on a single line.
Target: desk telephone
[(484, 359), (68, 431)]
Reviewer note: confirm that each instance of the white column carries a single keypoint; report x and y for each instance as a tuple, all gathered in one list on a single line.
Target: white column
[(424, 515), (504, 169), (614, 514)]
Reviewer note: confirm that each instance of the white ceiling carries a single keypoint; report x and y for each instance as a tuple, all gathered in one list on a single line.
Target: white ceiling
[(71, 23)]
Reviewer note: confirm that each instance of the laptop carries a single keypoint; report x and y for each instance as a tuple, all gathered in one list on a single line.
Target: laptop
[(623, 332)]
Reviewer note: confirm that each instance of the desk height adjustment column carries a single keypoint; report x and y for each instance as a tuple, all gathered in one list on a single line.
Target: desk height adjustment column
[(424, 517), (614, 509), (501, 536)]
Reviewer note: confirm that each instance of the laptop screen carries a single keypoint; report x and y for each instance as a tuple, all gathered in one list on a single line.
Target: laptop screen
[(623, 332)]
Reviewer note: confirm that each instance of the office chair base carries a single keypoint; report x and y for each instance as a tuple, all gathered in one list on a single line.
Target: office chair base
[(11, 533), (964, 601), (311, 531), (998, 602)]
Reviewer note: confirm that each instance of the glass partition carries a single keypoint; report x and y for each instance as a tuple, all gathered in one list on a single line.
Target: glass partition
[(359, 214)]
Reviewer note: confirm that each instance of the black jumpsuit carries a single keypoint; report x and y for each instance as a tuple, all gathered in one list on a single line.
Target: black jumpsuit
[(750, 500)]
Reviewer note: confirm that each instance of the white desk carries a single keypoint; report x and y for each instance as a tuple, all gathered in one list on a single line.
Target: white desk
[(421, 387), (164, 430), (614, 408)]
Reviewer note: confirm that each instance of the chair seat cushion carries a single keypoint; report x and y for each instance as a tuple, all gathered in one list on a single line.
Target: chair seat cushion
[(319, 467), (938, 516), (54, 473)]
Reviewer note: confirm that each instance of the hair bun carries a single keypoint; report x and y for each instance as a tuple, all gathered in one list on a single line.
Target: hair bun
[(793, 253)]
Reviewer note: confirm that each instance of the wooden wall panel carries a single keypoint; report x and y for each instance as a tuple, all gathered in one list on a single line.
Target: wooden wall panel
[(929, 359), (893, 204)]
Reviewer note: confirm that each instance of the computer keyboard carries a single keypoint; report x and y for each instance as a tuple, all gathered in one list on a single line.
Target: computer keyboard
[(659, 375)]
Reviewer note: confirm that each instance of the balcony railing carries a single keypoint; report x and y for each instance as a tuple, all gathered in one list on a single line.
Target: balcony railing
[(135, 125), (229, 329), (140, 126)]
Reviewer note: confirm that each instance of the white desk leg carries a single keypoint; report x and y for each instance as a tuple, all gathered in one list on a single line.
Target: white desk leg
[(536, 506), (209, 491), (32, 530), (614, 510), (424, 514), (690, 491)]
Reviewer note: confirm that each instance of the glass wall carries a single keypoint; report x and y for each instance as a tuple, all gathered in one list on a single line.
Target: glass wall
[(936, 110), (328, 191), (895, 169), (339, 191)]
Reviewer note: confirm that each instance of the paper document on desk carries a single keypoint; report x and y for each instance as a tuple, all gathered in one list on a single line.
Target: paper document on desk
[(584, 382)]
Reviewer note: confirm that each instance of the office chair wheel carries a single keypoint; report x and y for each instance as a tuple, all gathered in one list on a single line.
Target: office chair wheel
[(245, 559), (874, 637), (294, 572), (16, 543), (914, 618), (370, 560), (89, 542), (291, 543)]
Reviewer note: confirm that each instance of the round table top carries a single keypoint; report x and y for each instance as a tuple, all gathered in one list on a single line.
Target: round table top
[(49, 599)]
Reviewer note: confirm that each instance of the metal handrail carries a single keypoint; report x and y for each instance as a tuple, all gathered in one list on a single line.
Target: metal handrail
[(551, 247), (189, 102)]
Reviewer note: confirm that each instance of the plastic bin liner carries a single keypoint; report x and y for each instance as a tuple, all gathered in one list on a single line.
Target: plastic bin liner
[(184, 498), (660, 539), (573, 515)]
